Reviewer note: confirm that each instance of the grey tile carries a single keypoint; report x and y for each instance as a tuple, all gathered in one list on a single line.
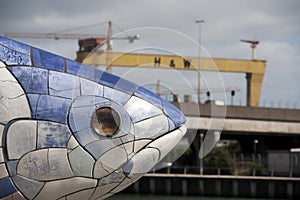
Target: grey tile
[(61, 188), (28, 187), (21, 138), (81, 162)]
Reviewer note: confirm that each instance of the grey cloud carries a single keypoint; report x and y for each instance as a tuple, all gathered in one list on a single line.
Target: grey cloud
[(226, 22)]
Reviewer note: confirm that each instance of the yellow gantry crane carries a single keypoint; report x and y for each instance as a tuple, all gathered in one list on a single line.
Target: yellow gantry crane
[(254, 68)]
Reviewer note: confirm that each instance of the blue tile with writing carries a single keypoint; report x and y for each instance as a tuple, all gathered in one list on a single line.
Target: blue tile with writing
[(14, 53), (33, 80), (52, 108), (52, 134)]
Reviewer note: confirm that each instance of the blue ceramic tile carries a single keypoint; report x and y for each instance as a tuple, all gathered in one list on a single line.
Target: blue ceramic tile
[(84, 110), (79, 69), (52, 134), (108, 79), (128, 167), (30, 188), (98, 74), (79, 122), (90, 88), (47, 60), (116, 95), (52, 108), (14, 53), (126, 86), (7, 187), (89, 101), (99, 147), (86, 136), (149, 96), (33, 80), (33, 102), (171, 124), (63, 85), (12, 167), (173, 113)]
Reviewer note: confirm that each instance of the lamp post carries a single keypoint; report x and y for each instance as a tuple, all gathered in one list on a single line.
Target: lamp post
[(255, 142), (201, 153), (199, 22)]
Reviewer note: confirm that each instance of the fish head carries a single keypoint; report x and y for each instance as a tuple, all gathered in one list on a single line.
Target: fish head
[(107, 128)]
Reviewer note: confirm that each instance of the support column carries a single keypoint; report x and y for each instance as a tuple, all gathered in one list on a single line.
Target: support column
[(254, 84)]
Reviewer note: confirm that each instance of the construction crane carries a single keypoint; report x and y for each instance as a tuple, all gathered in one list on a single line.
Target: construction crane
[(86, 42), (253, 43)]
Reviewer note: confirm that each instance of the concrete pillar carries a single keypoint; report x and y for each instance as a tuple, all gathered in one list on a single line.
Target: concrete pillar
[(289, 190), (152, 186), (201, 187), (136, 187), (271, 189), (168, 187), (184, 187), (218, 187), (253, 188), (235, 189)]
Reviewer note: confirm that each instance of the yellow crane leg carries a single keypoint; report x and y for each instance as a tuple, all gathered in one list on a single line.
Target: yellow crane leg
[(254, 69), (254, 85)]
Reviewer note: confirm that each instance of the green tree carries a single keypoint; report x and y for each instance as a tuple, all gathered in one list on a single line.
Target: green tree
[(220, 158)]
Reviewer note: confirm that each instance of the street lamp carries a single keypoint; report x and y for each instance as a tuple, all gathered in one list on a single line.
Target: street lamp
[(255, 148), (201, 153), (199, 22)]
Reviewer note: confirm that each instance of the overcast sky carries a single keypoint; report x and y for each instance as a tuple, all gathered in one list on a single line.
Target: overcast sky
[(276, 24)]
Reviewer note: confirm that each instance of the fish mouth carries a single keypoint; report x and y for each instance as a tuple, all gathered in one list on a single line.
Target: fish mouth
[(149, 156)]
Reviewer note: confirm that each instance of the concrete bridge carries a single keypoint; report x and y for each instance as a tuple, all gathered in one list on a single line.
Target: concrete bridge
[(242, 120)]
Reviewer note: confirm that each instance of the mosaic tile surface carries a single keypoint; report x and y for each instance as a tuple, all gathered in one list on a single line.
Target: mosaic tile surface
[(70, 131)]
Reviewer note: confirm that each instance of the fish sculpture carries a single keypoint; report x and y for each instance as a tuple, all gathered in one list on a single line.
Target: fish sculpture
[(70, 131)]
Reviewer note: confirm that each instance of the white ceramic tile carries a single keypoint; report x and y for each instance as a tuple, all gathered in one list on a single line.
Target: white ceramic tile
[(152, 127), (124, 184), (64, 187), (139, 144), (3, 171), (85, 194), (90, 88), (102, 190), (139, 109), (167, 142), (81, 162), (59, 164), (14, 108), (112, 159), (144, 161), (35, 165), (21, 138), (1, 155), (10, 89), (72, 143), (2, 64)]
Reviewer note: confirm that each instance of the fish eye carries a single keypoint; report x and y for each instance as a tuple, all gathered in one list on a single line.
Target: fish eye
[(106, 121)]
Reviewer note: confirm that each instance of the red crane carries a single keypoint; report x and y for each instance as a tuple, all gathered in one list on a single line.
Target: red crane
[(253, 43)]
